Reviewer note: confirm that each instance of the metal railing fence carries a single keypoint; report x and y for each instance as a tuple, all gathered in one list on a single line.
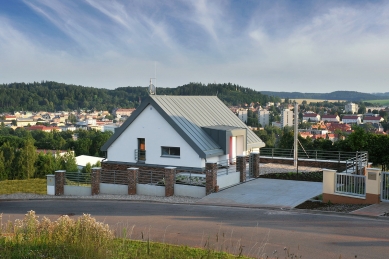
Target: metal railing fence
[(114, 177), (357, 164), (151, 177), (350, 184), (385, 186), (226, 166), (310, 154), (77, 178)]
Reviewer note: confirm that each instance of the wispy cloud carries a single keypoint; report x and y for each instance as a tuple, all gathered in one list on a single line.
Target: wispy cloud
[(320, 46)]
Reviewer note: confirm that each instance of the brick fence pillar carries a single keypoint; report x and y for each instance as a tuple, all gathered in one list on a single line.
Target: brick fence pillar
[(95, 180), (210, 178), (59, 182), (241, 166), (132, 174), (170, 180), (255, 164)]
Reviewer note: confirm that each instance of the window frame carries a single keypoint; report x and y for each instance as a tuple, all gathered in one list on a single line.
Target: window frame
[(168, 148)]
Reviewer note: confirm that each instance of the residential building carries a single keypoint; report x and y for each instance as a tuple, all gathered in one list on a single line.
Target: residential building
[(180, 131), (311, 117), (286, 118), (351, 119), (263, 117), (330, 118), (351, 107), (373, 119), (242, 114), (123, 112)]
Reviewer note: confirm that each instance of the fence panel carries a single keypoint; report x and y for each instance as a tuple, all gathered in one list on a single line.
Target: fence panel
[(224, 167), (151, 177), (385, 187), (351, 184), (77, 178), (113, 177)]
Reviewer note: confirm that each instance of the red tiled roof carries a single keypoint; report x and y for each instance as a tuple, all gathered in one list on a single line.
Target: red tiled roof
[(310, 115), (350, 117), (329, 116)]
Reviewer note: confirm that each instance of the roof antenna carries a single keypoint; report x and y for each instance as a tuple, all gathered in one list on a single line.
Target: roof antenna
[(153, 87)]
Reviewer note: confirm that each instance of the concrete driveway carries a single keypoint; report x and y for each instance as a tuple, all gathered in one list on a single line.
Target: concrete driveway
[(265, 193)]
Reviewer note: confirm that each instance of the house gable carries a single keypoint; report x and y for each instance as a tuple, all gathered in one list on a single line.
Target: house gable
[(157, 133)]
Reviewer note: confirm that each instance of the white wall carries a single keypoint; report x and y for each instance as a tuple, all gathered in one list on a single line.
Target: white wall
[(157, 132), (239, 146), (77, 190), (148, 189), (229, 179), (118, 189), (189, 191)]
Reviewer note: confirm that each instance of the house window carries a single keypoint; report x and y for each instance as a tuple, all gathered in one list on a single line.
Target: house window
[(170, 151)]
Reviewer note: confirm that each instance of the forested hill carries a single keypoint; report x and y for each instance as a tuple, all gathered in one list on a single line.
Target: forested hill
[(337, 95), (52, 96)]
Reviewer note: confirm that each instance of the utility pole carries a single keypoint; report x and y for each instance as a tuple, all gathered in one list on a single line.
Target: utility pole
[(296, 118)]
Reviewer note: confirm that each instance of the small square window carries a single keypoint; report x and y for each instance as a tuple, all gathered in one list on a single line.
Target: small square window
[(170, 151)]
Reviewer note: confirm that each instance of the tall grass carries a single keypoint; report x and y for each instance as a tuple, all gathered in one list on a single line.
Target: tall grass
[(84, 237), (36, 185)]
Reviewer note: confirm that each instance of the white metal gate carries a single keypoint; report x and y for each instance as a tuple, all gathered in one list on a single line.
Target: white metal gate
[(385, 186)]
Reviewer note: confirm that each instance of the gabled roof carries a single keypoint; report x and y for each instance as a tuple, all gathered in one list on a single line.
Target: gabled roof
[(309, 115), (350, 117), (187, 115), (329, 116)]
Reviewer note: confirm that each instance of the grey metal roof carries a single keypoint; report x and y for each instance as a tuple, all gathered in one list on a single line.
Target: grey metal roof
[(187, 114)]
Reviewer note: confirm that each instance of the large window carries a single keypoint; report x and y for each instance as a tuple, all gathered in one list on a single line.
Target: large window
[(170, 151)]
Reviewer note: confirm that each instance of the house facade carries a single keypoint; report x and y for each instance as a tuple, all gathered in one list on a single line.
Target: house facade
[(330, 118), (351, 119), (181, 131), (311, 117)]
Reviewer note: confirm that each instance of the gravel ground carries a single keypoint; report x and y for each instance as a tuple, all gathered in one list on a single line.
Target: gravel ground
[(172, 199), (279, 168)]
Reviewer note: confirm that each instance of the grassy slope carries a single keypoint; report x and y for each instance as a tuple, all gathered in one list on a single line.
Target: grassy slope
[(23, 186), (380, 102)]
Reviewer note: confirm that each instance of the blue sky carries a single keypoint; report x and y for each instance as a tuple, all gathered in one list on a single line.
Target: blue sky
[(306, 46)]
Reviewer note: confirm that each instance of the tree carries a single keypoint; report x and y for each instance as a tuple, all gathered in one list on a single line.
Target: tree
[(27, 158), (68, 162), (3, 175), (358, 139), (44, 165)]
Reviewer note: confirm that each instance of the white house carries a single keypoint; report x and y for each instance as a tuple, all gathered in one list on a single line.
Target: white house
[(242, 114), (372, 119), (181, 131), (351, 119), (311, 117), (330, 118), (351, 107)]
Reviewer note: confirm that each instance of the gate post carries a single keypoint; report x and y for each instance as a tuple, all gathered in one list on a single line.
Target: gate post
[(211, 178), (59, 182), (170, 180), (241, 165), (132, 180), (373, 185), (95, 180), (255, 164)]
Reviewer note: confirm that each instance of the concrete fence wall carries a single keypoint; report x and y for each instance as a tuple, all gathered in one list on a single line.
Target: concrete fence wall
[(227, 180), (373, 188)]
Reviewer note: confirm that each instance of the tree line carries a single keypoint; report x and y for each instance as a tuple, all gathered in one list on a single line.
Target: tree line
[(19, 158), (53, 96)]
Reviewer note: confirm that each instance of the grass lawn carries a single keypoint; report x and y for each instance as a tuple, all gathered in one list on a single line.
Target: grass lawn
[(380, 102), (37, 186)]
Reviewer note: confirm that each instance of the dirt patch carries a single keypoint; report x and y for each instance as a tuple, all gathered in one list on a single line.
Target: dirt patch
[(318, 205)]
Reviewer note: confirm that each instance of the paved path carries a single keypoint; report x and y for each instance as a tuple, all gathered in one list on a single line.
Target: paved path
[(265, 193), (373, 210)]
